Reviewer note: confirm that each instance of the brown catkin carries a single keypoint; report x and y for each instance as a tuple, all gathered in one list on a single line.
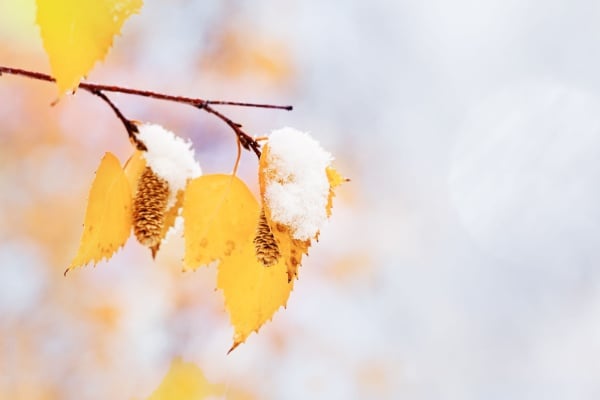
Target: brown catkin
[(149, 207), (267, 250)]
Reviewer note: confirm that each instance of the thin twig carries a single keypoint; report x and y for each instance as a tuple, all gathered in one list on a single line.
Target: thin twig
[(131, 128), (245, 140), (244, 104), (144, 93)]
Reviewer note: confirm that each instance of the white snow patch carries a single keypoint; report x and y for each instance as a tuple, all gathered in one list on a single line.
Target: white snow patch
[(297, 196), (169, 156)]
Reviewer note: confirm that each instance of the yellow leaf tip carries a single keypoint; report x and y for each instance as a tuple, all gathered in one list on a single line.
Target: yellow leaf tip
[(233, 347)]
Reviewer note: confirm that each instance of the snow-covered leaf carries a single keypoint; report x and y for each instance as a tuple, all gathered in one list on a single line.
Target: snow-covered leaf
[(297, 188)]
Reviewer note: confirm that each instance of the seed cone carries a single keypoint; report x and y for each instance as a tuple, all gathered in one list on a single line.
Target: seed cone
[(267, 250), (149, 207)]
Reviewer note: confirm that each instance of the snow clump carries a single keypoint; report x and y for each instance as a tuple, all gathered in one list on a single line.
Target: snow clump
[(297, 188), (169, 156)]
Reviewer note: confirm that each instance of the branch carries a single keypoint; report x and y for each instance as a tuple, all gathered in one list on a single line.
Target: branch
[(97, 89)]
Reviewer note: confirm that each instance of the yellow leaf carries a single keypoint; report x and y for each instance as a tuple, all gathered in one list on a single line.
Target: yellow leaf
[(335, 180), (134, 167), (253, 292), (77, 33), (108, 216), (265, 175), (291, 249), (220, 215), (220, 218), (185, 381)]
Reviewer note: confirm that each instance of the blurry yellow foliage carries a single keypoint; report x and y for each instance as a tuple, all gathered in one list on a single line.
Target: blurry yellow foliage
[(220, 216), (77, 33), (242, 52), (107, 222), (16, 20), (185, 381)]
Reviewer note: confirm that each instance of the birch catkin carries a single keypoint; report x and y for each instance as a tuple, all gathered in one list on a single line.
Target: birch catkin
[(149, 207)]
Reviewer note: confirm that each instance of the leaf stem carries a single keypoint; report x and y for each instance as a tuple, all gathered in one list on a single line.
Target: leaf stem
[(238, 156), (246, 140), (131, 128)]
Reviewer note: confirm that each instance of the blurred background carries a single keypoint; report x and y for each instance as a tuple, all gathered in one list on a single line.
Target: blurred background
[(461, 262)]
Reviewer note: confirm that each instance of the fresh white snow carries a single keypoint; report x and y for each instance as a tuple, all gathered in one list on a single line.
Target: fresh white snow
[(169, 156), (297, 194)]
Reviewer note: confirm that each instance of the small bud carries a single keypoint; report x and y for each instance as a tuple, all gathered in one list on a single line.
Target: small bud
[(149, 207), (267, 250)]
